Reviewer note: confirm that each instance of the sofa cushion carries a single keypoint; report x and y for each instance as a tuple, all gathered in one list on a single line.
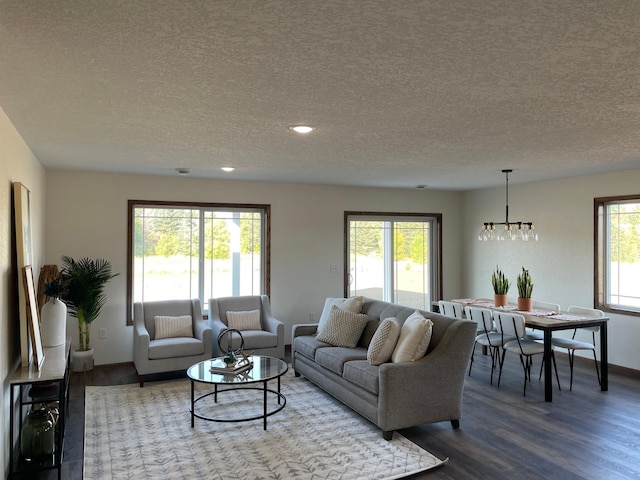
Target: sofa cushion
[(167, 326), (362, 374), (352, 304), (414, 339), (244, 320), (334, 358), (175, 347), (307, 346), (343, 328), (384, 341)]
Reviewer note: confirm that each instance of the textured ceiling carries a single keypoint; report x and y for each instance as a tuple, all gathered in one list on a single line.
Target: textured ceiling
[(444, 93)]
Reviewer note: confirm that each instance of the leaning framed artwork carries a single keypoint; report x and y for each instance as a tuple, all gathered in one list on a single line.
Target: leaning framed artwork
[(32, 316), (22, 213)]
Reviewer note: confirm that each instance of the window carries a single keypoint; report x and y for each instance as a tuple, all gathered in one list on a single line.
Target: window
[(617, 254), (394, 257), (187, 250)]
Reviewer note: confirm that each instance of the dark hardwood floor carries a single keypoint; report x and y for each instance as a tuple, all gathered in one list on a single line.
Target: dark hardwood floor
[(583, 434)]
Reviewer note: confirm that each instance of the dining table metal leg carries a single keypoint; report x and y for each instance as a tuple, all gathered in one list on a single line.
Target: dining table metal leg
[(604, 362), (548, 390)]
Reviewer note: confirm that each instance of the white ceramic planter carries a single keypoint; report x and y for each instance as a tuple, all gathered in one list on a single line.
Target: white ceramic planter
[(82, 360), (53, 323)]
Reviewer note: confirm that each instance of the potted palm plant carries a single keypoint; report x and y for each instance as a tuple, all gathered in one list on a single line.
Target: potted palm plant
[(84, 282), (525, 289), (501, 285)]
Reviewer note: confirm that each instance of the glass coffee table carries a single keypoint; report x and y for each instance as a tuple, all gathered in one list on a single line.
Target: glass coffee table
[(264, 369)]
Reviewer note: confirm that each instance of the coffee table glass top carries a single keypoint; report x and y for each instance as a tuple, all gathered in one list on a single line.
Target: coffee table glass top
[(264, 368)]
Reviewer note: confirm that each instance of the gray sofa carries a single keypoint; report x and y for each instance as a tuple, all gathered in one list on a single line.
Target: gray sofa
[(392, 395)]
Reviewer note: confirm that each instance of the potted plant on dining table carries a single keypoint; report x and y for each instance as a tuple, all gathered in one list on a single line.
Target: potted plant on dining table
[(501, 285), (525, 289)]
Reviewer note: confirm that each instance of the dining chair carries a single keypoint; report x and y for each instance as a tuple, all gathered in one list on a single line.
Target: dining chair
[(513, 325), (535, 304), (571, 344), (451, 309), (490, 339)]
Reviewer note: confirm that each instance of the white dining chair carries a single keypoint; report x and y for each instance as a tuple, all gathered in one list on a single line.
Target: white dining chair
[(489, 338), (533, 334), (512, 325), (571, 344), (451, 309)]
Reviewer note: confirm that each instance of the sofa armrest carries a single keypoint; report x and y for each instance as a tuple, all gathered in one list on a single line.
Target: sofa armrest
[(300, 329), (273, 325), (203, 332), (217, 326), (141, 341), (429, 389), (200, 327)]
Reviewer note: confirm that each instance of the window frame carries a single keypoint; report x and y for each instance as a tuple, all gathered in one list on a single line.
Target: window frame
[(132, 204), (391, 215), (600, 249)]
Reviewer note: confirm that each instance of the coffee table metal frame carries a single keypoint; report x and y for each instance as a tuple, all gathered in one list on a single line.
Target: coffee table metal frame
[(266, 368)]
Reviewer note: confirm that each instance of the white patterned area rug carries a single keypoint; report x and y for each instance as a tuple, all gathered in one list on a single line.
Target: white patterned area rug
[(134, 433)]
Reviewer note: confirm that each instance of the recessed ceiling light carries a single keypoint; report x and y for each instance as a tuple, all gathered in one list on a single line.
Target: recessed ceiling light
[(302, 128), (227, 169)]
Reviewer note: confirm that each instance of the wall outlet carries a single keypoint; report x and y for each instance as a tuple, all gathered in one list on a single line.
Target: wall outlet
[(333, 268), (102, 333), (312, 316)]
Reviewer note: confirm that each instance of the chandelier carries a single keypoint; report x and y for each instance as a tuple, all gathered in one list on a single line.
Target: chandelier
[(512, 230)]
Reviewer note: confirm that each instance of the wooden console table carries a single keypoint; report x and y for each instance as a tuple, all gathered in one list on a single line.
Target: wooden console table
[(53, 373)]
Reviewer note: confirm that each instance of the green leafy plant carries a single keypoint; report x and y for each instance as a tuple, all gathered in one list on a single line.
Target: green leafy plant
[(83, 293), (54, 288), (500, 282), (525, 284)]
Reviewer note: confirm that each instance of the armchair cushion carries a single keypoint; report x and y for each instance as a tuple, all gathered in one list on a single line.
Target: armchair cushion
[(175, 347), (244, 320), (170, 327)]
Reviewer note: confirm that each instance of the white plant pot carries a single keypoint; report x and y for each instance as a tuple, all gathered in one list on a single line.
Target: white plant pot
[(53, 323), (82, 360)]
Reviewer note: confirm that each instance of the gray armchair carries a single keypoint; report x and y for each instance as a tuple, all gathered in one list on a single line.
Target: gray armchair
[(152, 355), (267, 341)]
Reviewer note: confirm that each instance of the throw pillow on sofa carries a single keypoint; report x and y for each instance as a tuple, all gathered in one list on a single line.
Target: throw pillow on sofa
[(342, 328), (351, 304), (171, 327), (415, 336), (383, 342)]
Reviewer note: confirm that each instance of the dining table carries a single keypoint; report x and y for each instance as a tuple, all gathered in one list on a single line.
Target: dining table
[(549, 321)]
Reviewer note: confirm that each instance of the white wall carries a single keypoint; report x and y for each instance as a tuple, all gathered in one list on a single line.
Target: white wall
[(561, 262), (17, 164), (87, 216)]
